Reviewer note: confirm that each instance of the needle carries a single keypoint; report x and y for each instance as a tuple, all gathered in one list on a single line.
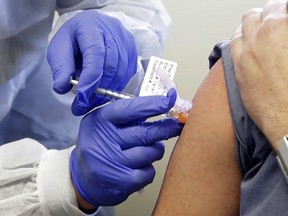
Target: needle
[(107, 93)]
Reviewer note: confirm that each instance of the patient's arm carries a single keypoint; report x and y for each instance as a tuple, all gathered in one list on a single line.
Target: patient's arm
[(203, 176)]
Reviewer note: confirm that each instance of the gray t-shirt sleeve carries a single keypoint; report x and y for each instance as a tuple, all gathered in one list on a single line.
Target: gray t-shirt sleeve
[(263, 189)]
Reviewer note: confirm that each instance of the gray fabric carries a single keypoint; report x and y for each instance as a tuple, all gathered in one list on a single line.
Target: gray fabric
[(263, 188)]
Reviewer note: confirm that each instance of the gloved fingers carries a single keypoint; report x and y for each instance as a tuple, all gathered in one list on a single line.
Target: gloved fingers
[(94, 101), (110, 66), (139, 108), (121, 178), (116, 189), (132, 62), (141, 156), (147, 133), (110, 62), (60, 56), (92, 48), (140, 178), (127, 60)]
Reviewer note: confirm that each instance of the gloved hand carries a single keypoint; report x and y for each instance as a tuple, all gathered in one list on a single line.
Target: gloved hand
[(96, 48), (115, 149)]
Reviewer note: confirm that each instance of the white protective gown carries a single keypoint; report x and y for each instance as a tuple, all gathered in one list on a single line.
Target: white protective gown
[(29, 173)]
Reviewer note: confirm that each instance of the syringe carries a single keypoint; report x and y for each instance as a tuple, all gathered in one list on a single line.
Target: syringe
[(182, 117), (107, 93)]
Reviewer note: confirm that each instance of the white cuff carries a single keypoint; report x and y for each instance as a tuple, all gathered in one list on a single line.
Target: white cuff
[(56, 193)]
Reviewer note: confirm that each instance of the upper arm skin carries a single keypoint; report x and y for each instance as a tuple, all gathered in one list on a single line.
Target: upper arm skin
[(203, 177)]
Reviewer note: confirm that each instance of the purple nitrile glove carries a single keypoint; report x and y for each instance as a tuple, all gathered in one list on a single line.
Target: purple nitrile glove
[(96, 48), (116, 148)]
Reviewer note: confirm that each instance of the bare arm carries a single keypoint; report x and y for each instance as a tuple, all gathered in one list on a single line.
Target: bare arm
[(203, 176)]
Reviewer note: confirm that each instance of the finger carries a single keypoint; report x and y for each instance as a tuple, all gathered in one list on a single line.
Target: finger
[(251, 12), (140, 156), (275, 8), (110, 66), (236, 45), (94, 101), (128, 180), (127, 66), (121, 71), (62, 61), (92, 48), (237, 36), (110, 63), (250, 23), (139, 108), (140, 178), (147, 133), (132, 60)]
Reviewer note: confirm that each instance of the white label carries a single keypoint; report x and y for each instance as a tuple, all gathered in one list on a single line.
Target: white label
[(152, 84)]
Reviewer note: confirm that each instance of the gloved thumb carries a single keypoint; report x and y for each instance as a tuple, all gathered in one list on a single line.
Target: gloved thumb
[(140, 108)]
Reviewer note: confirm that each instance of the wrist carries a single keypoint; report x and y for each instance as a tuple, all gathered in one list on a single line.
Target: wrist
[(273, 124), (83, 204), (276, 139)]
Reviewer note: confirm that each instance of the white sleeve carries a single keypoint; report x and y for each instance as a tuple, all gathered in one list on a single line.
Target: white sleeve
[(36, 181), (148, 20)]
